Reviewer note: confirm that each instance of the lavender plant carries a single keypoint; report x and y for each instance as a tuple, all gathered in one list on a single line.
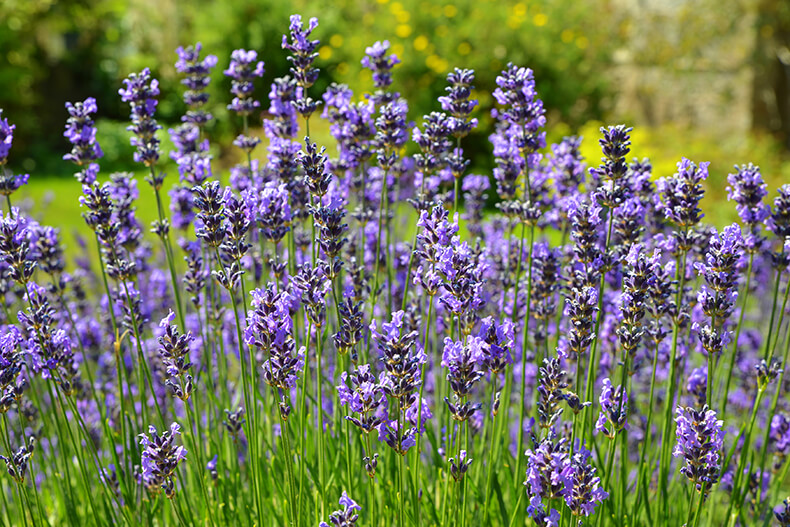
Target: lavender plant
[(359, 321)]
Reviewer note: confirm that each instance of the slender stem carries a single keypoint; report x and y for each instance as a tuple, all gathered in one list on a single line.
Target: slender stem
[(169, 253), (701, 504), (418, 452), (524, 343), (669, 394), (689, 516), (737, 496), (285, 435), (320, 415), (491, 458), (592, 365), (774, 404)]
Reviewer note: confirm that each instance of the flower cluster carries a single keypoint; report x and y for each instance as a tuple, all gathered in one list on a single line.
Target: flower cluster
[(700, 439), (160, 459)]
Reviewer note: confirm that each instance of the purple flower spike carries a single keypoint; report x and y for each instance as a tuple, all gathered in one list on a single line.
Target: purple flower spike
[(380, 62), (81, 132), (197, 76), (700, 441), (614, 406), (347, 517), (243, 69), (160, 458), (582, 488), (140, 92), (6, 138)]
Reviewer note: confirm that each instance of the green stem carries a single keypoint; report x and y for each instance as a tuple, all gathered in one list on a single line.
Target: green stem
[(669, 394), (418, 452), (320, 415)]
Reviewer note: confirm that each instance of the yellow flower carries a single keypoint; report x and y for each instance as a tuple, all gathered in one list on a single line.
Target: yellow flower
[(403, 30), (336, 40), (450, 11), (540, 20), (567, 35), (464, 48), (325, 52), (582, 42), (421, 43), (519, 9)]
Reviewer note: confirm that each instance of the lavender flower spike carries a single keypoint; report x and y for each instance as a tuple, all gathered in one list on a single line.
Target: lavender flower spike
[(700, 440), (160, 458), (344, 518), (9, 183)]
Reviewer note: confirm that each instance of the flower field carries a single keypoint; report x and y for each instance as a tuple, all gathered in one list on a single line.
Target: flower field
[(364, 332)]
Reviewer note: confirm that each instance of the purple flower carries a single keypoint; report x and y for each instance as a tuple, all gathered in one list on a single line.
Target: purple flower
[(81, 132), (400, 379), (160, 458), (11, 364), (614, 410), (17, 462), (779, 221), (302, 51), (380, 62), (6, 138), (516, 92), (140, 92), (541, 516), (363, 394), (497, 342), (197, 76), (551, 391), (347, 517), (457, 102), (782, 513), (718, 295), (545, 465), (747, 189), (680, 194), (391, 132), (174, 349), (697, 385), (15, 246), (615, 144), (269, 331), (270, 209), (700, 440), (780, 433), (582, 488), (243, 70)]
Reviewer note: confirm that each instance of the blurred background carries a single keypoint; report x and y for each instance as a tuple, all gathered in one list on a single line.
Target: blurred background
[(705, 79)]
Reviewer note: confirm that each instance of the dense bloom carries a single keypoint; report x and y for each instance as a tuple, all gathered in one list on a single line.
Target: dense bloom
[(81, 132), (700, 439), (400, 379), (140, 92), (582, 488), (464, 362)]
